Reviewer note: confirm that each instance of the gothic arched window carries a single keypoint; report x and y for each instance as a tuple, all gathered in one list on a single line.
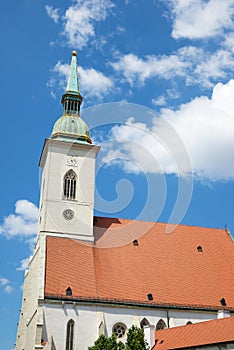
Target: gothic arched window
[(70, 335), (144, 322), (69, 185), (161, 325)]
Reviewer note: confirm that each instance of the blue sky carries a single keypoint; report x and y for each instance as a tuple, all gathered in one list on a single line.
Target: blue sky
[(159, 75)]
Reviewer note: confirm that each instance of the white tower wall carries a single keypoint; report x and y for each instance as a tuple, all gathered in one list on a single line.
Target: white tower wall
[(58, 157)]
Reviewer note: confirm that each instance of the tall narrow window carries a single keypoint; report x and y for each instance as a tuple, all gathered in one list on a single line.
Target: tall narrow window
[(69, 185), (70, 335)]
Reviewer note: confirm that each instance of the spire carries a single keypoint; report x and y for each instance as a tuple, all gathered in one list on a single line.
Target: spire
[(73, 84), (72, 98), (70, 127)]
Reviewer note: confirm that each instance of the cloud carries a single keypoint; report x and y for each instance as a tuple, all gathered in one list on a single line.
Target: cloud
[(137, 69), (203, 129), (5, 283), (94, 83), (23, 264), (23, 222), (195, 65), (52, 13), (228, 42), (80, 18), (8, 289), (213, 67), (26, 209), (199, 19), (159, 101)]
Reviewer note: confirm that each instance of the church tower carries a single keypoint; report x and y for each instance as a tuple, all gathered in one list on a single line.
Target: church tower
[(68, 170), (74, 292)]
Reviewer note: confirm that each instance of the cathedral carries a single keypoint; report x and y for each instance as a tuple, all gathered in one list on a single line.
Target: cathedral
[(93, 275)]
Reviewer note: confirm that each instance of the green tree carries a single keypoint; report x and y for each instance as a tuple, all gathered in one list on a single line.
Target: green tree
[(104, 343), (135, 341)]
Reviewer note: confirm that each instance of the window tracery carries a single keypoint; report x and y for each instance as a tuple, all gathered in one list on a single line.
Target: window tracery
[(119, 330), (69, 185)]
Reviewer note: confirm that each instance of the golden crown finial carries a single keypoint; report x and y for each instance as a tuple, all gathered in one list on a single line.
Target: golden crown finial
[(74, 53)]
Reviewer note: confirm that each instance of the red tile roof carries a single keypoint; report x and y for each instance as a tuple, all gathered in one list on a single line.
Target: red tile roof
[(193, 335), (167, 265)]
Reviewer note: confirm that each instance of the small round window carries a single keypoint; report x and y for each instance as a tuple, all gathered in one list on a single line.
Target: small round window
[(119, 330)]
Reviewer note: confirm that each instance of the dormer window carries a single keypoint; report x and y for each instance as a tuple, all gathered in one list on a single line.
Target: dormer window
[(69, 185), (69, 292), (150, 296)]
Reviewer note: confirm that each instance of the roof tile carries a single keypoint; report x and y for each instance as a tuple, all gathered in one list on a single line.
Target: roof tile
[(168, 265), (198, 334)]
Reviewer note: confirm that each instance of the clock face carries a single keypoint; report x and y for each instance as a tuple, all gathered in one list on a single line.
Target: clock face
[(72, 161), (68, 214)]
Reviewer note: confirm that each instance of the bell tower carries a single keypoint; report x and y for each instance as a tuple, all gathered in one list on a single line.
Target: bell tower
[(68, 170)]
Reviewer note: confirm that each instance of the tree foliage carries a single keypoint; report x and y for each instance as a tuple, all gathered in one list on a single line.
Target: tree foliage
[(104, 343), (135, 341)]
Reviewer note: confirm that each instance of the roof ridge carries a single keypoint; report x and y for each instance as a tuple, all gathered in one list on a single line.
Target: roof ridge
[(163, 223)]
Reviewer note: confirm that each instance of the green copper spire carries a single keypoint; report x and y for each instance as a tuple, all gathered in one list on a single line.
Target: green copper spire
[(73, 84), (72, 98), (70, 127)]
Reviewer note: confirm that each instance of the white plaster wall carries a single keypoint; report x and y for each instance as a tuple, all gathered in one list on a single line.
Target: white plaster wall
[(180, 318), (87, 320), (217, 347), (85, 325), (54, 164), (33, 287)]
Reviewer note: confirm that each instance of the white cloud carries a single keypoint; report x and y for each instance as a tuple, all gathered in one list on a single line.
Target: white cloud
[(195, 65), (26, 209), (159, 101), (202, 128), (80, 19), (52, 13), (137, 69), (5, 283), (197, 19), (23, 222), (212, 67), (229, 41), (94, 83), (23, 264), (8, 289)]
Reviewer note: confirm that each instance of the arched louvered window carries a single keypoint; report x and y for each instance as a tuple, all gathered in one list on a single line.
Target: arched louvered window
[(70, 335), (161, 325), (69, 185), (71, 107)]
